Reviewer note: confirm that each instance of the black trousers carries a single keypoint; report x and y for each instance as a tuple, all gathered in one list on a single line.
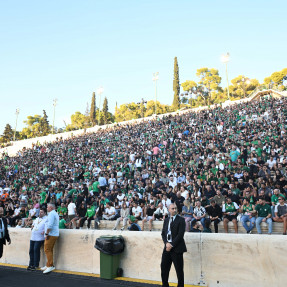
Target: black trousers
[(216, 222), (1, 248), (166, 260)]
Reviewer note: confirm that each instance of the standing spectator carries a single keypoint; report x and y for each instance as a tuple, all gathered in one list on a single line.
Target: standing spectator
[(51, 236), (281, 213), (264, 215), (230, 211), (37, 240), (4, 232), (215, 214), (71, 211)]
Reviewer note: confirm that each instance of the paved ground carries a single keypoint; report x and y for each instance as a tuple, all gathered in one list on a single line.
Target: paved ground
[(15, 277)]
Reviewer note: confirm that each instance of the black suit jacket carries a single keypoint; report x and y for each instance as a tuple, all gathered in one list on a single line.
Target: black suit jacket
[(7, 237), (177, 228)]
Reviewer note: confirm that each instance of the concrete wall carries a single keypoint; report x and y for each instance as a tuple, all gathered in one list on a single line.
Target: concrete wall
[(226, 260)]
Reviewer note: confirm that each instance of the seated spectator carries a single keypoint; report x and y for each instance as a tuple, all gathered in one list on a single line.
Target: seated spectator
[(195, 226), (187, 212), (137, 211), (264, 215), (124, 216), (133, 224), (230, 212), (149, 216), (90, 214), (274, 200), (80, 216), (99, 215), (281, 213), (63, 223), (248, 215), (215, 214), (199, 213), (160, 213), (110, 212)]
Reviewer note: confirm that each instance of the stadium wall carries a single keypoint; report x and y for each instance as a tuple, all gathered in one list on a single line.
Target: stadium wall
[(226, 260)]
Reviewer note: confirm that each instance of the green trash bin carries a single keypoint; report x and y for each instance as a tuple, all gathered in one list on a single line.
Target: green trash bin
[(111, 248), (109, 265)]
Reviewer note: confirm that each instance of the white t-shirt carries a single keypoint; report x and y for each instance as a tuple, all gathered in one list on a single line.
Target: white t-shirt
[(71, 208), (38, 229), (110, 210), (136, 211)]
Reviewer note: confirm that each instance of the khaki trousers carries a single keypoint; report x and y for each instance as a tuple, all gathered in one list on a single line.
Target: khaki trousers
[(48, 248)]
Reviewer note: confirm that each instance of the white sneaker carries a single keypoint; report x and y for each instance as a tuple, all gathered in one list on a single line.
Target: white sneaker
[(44, 268), (49, 269), (122, 228), (114, 228)]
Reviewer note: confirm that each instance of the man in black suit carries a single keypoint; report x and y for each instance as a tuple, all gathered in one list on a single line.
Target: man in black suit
[(174, 246), (4, 233)]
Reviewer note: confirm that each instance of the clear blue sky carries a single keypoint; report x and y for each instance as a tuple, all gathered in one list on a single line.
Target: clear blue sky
[(67, 49)]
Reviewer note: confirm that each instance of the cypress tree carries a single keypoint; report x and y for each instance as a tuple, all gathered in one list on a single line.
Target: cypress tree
[(93, 109), (105, 111), (176, 86)]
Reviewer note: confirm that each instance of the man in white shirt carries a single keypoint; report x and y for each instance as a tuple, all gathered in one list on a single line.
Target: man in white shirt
[(71, 210), (160, 213), (137, 211), (37, 240), (110, 212)]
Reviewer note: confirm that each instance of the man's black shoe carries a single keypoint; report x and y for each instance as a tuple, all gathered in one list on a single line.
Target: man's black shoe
[(29, 268), (33, 268)]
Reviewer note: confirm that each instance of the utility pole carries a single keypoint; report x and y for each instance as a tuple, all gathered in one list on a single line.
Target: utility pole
[(54, 104), (17, 113)]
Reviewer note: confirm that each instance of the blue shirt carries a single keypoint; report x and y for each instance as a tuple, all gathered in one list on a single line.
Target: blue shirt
[(52, 223)]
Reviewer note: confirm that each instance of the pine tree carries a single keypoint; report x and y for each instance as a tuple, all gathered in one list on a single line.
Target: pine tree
[(8, 133), (93, 109), (105, 111), (176, 86)]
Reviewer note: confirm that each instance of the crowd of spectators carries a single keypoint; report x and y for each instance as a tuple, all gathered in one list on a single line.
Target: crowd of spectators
[(217, 164)]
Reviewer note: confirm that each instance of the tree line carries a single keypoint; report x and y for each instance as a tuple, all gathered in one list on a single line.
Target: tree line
[(205, 90)]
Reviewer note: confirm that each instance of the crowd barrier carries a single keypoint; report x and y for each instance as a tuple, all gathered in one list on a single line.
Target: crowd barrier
[(224, 260)]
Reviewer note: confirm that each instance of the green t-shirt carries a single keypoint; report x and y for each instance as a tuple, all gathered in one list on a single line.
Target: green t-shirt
[(96, 186), (43, 195), (91, 212), (62, 210), (263, 210), (230, 207), (62, 223)]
